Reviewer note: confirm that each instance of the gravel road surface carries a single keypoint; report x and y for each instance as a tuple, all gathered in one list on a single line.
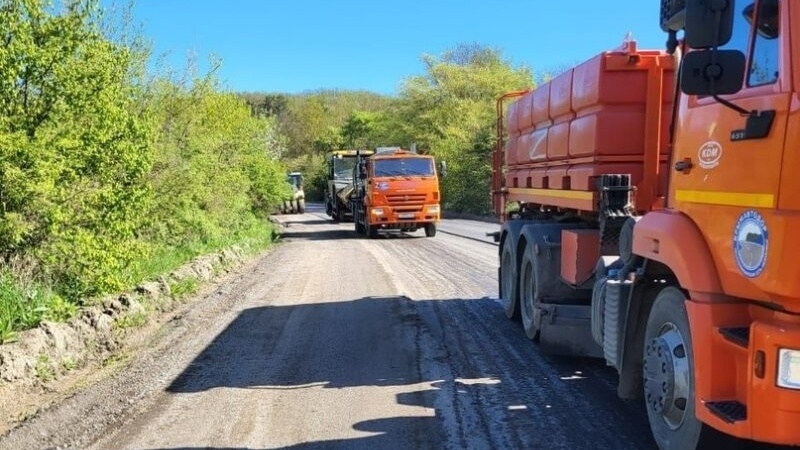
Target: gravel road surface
[(332, 341)]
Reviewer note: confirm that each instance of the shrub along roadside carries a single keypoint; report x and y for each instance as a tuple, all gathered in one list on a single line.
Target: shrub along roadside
[(98, 334), (25, 304), (108, 175)]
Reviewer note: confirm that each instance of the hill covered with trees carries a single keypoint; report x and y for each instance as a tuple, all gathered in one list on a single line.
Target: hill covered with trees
[(448, 111)]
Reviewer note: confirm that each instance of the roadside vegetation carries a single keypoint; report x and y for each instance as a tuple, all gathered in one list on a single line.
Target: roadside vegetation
[(447, 111), (111, 174)]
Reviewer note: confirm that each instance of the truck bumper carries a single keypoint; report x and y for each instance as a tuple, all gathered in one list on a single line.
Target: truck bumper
[(737, 357), (404, 217)]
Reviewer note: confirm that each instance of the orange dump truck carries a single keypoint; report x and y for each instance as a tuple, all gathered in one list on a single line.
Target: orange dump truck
[(396, 189), (651, 218)]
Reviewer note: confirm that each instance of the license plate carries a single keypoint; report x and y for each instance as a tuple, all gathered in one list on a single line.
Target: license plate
[(405, 215)]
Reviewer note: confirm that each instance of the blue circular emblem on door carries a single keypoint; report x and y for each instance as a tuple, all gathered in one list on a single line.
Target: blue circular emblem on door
[(750, 243)]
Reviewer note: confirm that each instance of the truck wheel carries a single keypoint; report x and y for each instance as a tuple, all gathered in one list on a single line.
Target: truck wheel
[(301, 206), (531, 319), (285, 209), (357, 222), (372, 231), (430, 229), (509, 282), (668, 376)]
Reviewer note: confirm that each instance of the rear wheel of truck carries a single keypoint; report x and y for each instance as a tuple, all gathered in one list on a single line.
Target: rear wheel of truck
[(301, 206), (430, 229), (509, 281), (528, 297), (668, 377)]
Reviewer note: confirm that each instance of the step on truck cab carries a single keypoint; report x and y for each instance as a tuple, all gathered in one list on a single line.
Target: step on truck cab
[(396, 189), (651, 218)]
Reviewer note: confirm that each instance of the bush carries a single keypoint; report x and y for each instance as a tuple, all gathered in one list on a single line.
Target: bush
[(107, 175)]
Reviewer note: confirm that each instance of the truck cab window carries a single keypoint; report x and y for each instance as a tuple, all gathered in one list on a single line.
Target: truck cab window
[(764, 59), (755, 33), (740, 39)]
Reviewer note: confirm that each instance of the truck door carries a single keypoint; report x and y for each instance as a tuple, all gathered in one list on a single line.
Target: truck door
[(733, 183)]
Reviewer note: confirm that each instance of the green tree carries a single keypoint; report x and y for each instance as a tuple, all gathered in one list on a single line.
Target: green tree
[(450, 112), (73, 148), (216, 163)]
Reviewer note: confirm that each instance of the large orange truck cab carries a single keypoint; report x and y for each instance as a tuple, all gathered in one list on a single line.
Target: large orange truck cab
[(396, 189), (651, 218)]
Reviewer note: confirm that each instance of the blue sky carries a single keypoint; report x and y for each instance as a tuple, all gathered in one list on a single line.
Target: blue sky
[(299, 45)]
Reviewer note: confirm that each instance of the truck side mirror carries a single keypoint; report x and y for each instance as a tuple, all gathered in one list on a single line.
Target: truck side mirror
[(712, 72), (362, 171), (708, 23), (442, 168)]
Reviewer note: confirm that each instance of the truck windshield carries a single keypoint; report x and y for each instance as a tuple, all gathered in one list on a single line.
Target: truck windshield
[(404, 167), (295, 180), (343, 168)]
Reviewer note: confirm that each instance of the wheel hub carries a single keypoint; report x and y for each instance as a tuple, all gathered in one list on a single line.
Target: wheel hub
[(667, 376)]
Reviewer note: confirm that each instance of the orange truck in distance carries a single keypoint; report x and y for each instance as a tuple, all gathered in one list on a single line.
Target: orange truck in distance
[(396, 189), (651, 217)]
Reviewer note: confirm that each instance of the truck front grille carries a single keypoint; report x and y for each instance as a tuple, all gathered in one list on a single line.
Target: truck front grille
[(406, 199)]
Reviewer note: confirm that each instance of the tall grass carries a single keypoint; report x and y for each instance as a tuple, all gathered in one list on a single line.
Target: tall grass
[(24, 303)]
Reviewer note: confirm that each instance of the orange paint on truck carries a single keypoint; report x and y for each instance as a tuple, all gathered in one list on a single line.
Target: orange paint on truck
[(712, 208), (399, 190)]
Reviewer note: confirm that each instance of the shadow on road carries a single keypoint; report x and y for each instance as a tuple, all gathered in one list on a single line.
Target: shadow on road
[(489, 386), (318, 235), (365, 342), (339, 234), (289, 223)]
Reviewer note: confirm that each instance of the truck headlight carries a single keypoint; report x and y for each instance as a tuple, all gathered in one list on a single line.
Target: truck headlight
[(789, 368), (433, 209), (377, 211)]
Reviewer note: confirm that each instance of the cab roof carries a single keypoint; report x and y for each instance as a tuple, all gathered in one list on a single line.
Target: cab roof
[(343, 153)]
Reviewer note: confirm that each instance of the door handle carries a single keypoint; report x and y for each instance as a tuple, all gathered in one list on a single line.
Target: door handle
[(684, 166)]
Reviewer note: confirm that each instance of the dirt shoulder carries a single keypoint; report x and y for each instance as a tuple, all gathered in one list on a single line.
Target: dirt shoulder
[(49, 364)]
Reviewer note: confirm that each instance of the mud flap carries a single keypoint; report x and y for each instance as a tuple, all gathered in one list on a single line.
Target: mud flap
[(567, 331)]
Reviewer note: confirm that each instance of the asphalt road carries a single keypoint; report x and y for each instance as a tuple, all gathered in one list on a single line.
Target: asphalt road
[(333, 341)]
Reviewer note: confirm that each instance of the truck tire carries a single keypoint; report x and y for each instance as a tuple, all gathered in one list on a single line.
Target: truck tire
[(509, 281), (430, 229), (301, 206), (668, 377), (372, 231), (528, 295)]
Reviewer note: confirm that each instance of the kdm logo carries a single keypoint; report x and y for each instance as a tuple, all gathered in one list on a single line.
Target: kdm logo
[(710, 154)]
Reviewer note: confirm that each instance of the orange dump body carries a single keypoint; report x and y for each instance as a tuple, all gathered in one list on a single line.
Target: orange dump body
[(605, 116)]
